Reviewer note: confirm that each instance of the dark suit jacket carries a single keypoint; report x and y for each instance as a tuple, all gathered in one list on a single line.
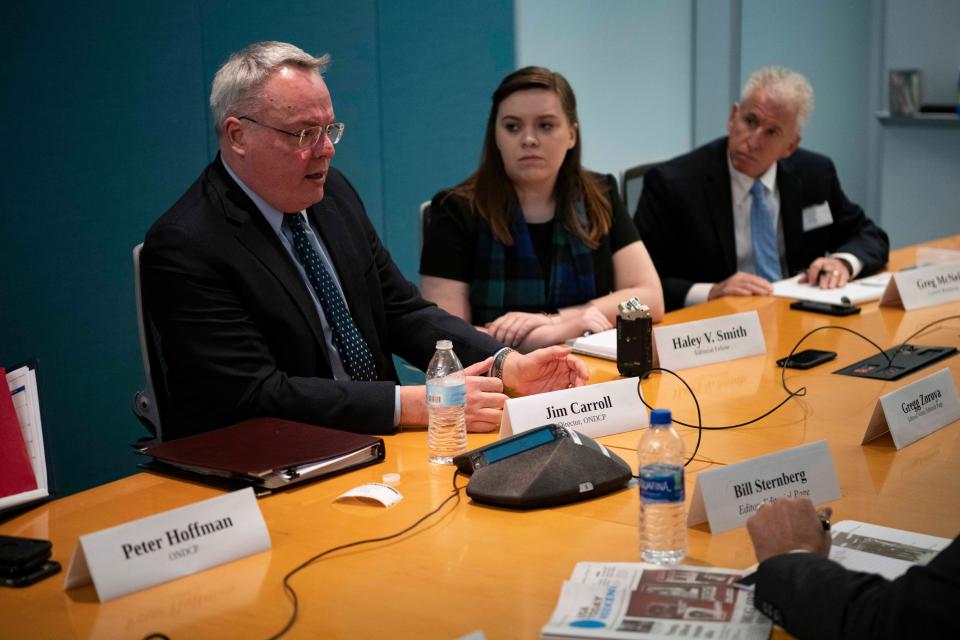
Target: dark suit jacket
[(685, 218), (813, 597), (239, 335)]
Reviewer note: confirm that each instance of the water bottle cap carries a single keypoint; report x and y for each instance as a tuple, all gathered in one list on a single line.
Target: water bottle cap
[(660, 416), (444, 344)]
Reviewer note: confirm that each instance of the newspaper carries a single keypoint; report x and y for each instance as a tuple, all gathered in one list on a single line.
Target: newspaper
[(634, 600), (860, 546)]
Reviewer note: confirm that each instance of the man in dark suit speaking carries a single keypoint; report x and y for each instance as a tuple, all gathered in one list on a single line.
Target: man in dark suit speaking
[(271, 294), (741, 212)]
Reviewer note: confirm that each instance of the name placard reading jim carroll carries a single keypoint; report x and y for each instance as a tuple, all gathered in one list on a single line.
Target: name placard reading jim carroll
[(729, 495), (594, 410), (169, 545), (915, 410), (692, 344)]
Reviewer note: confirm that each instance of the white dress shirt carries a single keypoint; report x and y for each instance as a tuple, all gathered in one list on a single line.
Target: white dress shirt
[(740, 185)]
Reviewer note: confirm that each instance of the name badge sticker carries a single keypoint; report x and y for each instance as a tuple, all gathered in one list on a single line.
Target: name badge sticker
[(169, 545), (727, 496), (594, 410), (816, 216), (915, 410), (692, 344), (923, 287)]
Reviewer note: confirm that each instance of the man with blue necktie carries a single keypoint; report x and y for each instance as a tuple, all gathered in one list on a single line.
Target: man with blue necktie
[(269, 293), (741, 212)]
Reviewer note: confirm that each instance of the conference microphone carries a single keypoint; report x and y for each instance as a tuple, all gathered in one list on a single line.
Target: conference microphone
[(542, 467)]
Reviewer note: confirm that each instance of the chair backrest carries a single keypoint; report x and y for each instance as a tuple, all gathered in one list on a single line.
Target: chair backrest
[(631, 185), (145, 401), (424, 220)]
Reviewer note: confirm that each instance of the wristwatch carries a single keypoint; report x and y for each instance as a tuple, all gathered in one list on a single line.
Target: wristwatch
[(498, 360)]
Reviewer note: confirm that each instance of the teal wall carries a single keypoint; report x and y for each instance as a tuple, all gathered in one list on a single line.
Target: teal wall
[(629, 63), (105, 123), (827, 41)]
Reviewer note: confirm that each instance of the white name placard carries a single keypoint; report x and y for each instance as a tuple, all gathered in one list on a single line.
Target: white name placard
[(594, 410), (923, 287), (169, 545), (727, 496), (916, 410), (701, 342)]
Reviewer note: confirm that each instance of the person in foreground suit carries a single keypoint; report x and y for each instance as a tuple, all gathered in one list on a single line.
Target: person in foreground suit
[(271, 293), (810, 596), (743, 211)]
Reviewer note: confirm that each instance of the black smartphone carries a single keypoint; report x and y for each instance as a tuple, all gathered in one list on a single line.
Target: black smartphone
[(24, 561), (828, 308), (807, 359)]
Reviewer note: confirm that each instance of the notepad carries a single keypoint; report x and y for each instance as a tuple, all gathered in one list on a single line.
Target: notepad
[(855, 292)]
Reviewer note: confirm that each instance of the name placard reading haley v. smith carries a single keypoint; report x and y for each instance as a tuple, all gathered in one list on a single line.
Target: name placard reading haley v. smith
[(692, 344), (169, 545)]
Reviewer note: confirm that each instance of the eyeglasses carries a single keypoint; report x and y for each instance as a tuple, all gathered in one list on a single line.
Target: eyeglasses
[(310, 136)]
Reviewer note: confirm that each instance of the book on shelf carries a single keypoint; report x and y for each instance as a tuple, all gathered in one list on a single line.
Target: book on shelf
[(267, 454)]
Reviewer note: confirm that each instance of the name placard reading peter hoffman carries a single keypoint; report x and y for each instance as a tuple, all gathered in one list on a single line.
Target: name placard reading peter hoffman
[(169, 545), (692, 344)]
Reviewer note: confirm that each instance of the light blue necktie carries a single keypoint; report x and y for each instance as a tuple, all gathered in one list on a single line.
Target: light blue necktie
[(763, 235), (350, 344)]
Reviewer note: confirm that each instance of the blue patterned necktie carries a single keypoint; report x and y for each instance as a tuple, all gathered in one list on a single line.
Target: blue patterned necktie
[(766, 250), (353, 349)]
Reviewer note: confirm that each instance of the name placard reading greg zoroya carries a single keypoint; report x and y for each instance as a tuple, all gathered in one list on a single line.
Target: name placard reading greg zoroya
[(169, 545)]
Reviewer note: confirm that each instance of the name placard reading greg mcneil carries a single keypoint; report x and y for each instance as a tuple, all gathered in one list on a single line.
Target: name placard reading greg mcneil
[(692, 344), (169, 545)]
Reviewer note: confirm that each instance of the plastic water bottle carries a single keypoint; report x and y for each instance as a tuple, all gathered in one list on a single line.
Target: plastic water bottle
[(446, 399), (663, 523)]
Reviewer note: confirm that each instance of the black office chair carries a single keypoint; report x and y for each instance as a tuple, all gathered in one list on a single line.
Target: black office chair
[(631, 185), (424, 220), (145, 402)]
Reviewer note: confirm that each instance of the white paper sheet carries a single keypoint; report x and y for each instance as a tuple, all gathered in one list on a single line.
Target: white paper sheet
[(856, 292)]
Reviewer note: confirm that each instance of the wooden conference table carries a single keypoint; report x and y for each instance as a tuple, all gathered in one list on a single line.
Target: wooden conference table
[(473, 567)]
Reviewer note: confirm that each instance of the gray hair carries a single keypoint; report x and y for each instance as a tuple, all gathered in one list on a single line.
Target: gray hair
[(237, 84), (785, 86)]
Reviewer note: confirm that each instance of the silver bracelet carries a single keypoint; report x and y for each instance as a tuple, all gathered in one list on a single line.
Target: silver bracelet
[(498, 360)]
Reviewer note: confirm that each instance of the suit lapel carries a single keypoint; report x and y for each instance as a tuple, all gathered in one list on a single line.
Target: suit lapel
[(791, 218), (255, 233), (719, 200)]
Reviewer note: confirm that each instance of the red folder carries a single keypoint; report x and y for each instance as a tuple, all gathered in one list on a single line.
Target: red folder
[(16, 472)]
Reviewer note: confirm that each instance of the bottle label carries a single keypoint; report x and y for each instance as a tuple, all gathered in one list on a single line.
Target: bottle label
[(661, 484), (455, 396)]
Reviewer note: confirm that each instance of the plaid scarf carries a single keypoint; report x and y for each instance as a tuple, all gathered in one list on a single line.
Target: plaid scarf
[(510, 279)]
